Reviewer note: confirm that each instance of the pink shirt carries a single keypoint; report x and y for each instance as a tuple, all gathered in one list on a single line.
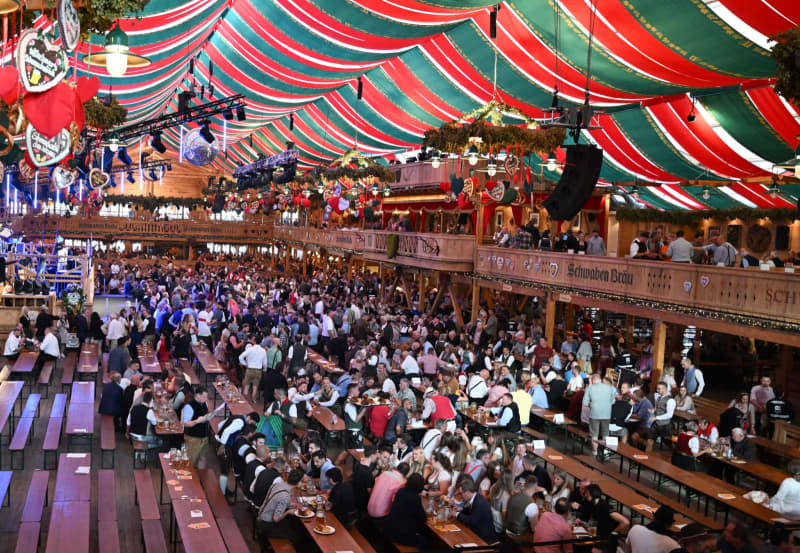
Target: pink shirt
[(429, 363), (552, 527), (386, 485)]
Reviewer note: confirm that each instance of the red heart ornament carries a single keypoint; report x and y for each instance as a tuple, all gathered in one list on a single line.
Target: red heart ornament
[(87, 88), (444, 186), (13, 94), (9, 79), (50, 111)]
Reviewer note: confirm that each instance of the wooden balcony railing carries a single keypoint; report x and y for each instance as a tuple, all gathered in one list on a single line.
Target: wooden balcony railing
[(349, 240), (769, 295), (436, 251)]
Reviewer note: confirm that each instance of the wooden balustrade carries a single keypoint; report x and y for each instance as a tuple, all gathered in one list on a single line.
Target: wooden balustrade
[(348, 240), (444, 252)]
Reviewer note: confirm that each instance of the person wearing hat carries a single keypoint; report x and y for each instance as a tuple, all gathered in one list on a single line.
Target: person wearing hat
[(436, 407), (653, 538)]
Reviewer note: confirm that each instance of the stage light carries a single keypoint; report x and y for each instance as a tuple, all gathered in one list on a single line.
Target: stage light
[(113, 142), (205, 132), (472, 155), (240, 115), (130, 178), (386, 191), (375, 189), (227, 113), (291, 121), (156, 143), (123, 156)]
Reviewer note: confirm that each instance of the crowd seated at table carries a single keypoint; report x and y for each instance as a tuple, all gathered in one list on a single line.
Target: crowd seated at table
[(416, 393)]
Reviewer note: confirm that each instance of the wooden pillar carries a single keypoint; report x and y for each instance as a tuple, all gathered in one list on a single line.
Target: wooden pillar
[(659, 351), (286, 255), (550, 318), (784, 368), (476, 299), (629, 323), (456, 307), (381, 291), (423, 291), (569, 318)]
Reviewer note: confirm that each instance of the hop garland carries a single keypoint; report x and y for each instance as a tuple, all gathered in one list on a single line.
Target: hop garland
[(371, 170), (786, 54), (95, 15), (104, 116), (453, 137), (73, 299), (691, 218)]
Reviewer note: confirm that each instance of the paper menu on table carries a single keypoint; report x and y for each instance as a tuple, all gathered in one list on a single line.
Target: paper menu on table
[(196, 514), (82, 470), (76, 455), (539, 444), (680, 526)]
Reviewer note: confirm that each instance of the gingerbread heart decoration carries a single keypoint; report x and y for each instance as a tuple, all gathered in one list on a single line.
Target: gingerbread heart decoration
[(63, 177), (45, 151), (42, 64), (98, 179), (69, 25)]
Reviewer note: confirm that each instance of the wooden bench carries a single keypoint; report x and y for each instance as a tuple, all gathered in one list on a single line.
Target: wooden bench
[(37, 497), (52, 436), (232, 535), (217, 502), (108, 536), (146, 495), (578, 436), (22, 437), (5, 488), (535, 434), (68, 370), (28, 537), (405, 548), (153, 537), (362, 542), (44, 376), (188, 371), (709, 409), (106, 376), (281, 545), (108, 439), (5, 373), (106, 495), (649, 492), (31, 408)]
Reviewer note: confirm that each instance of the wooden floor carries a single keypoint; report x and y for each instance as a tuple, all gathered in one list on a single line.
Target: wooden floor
[(128, 512)]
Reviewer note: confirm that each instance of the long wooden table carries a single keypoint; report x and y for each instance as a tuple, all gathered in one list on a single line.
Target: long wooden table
[(637, 503), (82, 392), (760, 471), (23, 366), (235, 402), (69, 527), (775, 448), (148, 362), (80, 414), (453, 533), (323, 363), (548, 417), (70, 486), (9, 392), (88, 360), (206, 360), (191, 515), (721, 492)]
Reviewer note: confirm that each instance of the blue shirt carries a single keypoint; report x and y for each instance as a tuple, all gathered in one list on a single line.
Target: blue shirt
[(313, 334), (642, 410), (324, 483), (539, 397)]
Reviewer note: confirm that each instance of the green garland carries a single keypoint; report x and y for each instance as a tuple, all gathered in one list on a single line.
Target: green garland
[(453, 137), (690, 218), (96, 15), (786, 54), (374, 170), (104, 116), (73, 299)]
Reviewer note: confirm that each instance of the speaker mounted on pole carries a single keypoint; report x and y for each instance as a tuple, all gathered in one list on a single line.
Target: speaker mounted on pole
[(581, 171)]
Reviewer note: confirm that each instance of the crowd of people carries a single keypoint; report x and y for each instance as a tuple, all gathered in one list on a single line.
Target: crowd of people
[(419, 371)]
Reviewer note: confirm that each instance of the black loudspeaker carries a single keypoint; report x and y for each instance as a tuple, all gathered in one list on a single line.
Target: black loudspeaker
[(781, 237), (577, 182), (219, 203)]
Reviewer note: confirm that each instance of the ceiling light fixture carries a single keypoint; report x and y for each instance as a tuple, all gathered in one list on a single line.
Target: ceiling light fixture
[(205, 132), (116, 57), (156, 143)]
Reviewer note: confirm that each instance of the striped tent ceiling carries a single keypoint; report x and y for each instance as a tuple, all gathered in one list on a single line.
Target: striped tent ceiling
[(425, 62)]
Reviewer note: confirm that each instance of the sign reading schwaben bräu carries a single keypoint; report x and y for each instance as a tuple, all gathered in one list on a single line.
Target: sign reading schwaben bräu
[(579, 272)]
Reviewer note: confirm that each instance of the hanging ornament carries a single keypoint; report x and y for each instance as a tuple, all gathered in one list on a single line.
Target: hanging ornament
[(469, 186), (63, 178), (41, 63), (44, 151), (98, 179), (69, 24)]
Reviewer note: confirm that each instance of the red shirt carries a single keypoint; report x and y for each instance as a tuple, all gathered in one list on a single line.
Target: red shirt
[(379, 419)]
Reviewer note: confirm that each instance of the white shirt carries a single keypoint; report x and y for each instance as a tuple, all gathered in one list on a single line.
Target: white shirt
[(203, 318), (319, 307), (787, 500), (12, 344), (254, 357), (332, 401), (430, 442), (116, 330), (50, 345), (477, 389), (643, 540), (410, 366), (670, 411), (235, 426)]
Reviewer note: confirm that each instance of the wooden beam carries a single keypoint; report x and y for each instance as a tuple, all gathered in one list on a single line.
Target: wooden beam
[(439, 294), (476, 297), (406, 290), (423, 291), (659, 350), (454, 300), (550, 319)]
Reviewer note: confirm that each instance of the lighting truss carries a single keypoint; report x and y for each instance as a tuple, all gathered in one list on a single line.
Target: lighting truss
[(169, 120)]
